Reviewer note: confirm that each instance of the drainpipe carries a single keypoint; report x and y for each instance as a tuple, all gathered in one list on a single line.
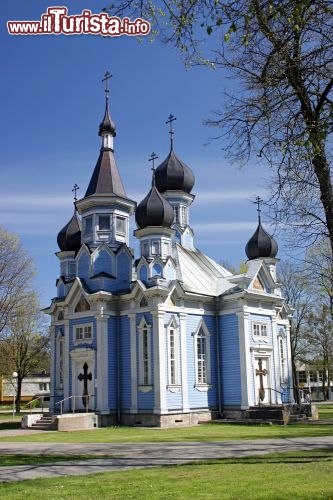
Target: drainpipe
[(118, 363)]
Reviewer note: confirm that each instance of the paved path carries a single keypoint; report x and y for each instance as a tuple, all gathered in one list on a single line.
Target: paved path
[(142, 454)]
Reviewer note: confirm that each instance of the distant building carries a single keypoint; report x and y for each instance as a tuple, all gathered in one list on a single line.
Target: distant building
[(169, 337), (310, 382), (32, 387)]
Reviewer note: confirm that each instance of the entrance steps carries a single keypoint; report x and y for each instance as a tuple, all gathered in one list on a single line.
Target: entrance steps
[(267, 415), (45, 423)]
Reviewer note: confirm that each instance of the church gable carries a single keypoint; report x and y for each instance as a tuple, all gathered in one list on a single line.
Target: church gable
[(82, 305), (102, 260), (83, 264)]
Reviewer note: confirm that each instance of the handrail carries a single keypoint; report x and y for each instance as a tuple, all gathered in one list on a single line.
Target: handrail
[(73, 406), (32, 401)]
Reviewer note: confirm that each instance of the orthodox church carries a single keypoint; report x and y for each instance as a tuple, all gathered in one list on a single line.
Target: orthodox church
[(168, 337)]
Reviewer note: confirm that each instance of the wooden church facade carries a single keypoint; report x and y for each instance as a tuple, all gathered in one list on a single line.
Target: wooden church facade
[(170, 337)]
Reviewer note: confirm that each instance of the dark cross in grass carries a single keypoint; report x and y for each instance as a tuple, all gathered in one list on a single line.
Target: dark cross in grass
[(262, 373), (85, 377)]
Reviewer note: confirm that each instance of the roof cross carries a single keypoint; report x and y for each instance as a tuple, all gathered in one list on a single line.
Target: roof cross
[(258, 202), (152, 158), (106, 78), (169, 121), (74, 190)]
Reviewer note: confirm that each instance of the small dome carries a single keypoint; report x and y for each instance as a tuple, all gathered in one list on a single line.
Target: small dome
[(154, 210), (107, 126), (261, 245), (174, 175), (69, 238)]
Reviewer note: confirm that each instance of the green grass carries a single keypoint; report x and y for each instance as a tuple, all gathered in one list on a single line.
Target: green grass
[(204, 432), (21, 459), (325, 411), (298, 475)]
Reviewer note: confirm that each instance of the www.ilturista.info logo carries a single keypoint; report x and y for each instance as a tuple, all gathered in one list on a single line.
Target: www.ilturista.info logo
[(57, 22)]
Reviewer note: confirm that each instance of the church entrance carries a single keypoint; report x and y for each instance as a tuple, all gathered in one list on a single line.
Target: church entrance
[(262, 380), (84, 386)]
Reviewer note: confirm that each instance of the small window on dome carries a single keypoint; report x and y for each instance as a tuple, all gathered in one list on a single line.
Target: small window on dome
[(104, 222), (120, 225), (176, 215), (88, 224), (155, 247)]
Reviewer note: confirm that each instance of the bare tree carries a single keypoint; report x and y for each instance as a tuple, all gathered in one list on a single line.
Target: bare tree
[(280, 109), (16, 275), (24, 347)]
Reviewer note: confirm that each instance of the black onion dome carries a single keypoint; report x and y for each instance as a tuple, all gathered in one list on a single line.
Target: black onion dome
[(107, 126), (69, 238), (154, 210), (261, 245), (174, 175)]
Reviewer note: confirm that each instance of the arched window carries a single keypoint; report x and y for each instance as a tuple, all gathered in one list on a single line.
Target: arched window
[(173, 352), (202, 357), (144, 331), (60, 342)]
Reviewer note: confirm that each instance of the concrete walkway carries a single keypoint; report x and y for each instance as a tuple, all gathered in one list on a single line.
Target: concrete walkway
[(142, 454)]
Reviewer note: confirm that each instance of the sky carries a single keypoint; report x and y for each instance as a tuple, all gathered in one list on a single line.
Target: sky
[(52, 101)]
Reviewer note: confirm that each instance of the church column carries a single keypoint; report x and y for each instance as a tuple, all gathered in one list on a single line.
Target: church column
[(275, 365), (160, 381), (67, 361), (244, 352), (183, 360), (134, 372), (102, 404), (53, 367)]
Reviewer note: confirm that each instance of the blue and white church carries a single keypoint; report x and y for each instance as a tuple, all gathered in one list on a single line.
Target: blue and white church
[(167, 337)]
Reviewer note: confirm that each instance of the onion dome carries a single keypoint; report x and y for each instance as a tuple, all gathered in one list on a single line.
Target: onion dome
[(174, 175), (69, 238), (261, 245), (154, 210), (107, 126)]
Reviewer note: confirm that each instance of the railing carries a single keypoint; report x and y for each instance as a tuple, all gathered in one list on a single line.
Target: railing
[(283, 395), (73, 400), (40, 399)]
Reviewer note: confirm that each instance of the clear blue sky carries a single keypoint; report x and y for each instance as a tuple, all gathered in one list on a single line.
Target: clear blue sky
[(52, 101)]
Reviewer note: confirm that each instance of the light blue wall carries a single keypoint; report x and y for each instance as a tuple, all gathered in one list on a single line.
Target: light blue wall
[(102, 263), (83, 266), (112, 361), (146, 400), (125, 363), (230, 360)]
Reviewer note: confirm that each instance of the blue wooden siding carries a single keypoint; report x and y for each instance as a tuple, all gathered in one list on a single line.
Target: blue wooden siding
[(146, 400), (102, 263), (157, 269), (124, 264), (230, 360), (112, 361), (83, 266), (264, 319), (125, 363), (143, 274)]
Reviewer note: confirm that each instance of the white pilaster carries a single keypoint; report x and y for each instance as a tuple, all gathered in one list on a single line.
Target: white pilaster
[(67, 361), (160, 381), (183, 360), (245, 361), (102, 403), (134, 371)]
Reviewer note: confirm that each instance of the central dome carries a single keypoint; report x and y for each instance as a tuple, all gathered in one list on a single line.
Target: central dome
[(174, 175)]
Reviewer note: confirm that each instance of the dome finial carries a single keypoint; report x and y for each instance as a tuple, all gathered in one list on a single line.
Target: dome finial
[(106, 78), (74, 190), (107, 127), (152, 158), (258, 202), (169, 121)]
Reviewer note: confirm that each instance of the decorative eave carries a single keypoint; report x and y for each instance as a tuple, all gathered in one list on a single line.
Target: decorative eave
[(105, 199), (171, 194), (153, 230)]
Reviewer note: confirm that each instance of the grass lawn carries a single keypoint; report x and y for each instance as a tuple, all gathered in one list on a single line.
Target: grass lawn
[(325, 411), (297, 475), (203, 432)]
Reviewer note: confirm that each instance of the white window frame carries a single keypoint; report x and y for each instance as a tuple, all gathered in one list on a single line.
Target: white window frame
[(85, 327), (106, 217), (88, 231), (260, 329), (172, 331), (122, 231), (60, 345), (145, 372), (283, 360), (184, 215), (155, 247), (202, 359)]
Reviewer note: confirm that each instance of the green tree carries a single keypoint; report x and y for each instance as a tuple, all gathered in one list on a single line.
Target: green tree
[(280, 108), (16, 275), (24, 347)]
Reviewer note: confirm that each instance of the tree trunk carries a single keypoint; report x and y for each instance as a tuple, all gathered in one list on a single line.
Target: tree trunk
[(18, 395)]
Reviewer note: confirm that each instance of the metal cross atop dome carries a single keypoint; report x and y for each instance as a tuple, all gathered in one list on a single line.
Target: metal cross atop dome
[(152, 158), (74, 190), (171, 119), (106, 78), (258, 202)]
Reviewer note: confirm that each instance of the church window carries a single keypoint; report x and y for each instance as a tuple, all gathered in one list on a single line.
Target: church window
[(60, 362), (184, 216), (104, 222), (176, 215), (72, 269), (155, 247), (83, 333), (144, 354), (202, 356), (260, 329), (172, 334), (282, 360), (145, 249), (88, 221), (63, 269), (120, 225)]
